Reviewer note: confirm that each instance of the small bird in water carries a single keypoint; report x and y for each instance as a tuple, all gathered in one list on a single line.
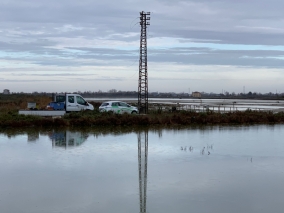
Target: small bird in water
[(203, 150)]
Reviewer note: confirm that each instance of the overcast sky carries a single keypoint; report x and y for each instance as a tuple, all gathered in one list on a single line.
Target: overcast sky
[(91, 45)]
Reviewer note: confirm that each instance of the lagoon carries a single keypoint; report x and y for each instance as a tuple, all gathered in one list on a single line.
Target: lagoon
[(191, 169), (212, 104)]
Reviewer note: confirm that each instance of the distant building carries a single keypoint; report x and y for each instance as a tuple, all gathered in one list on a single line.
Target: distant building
[(6, 91), (196, 94)]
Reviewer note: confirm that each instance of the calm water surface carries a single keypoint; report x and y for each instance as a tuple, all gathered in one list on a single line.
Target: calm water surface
[(212, 169)]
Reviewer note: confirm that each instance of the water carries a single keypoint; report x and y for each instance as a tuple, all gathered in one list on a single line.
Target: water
[(210, 169), (212, 104)]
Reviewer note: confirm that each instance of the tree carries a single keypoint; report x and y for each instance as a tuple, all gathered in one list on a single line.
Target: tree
[(112, 91)]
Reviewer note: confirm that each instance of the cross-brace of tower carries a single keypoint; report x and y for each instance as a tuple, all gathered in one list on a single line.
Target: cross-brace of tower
[(143, 74)]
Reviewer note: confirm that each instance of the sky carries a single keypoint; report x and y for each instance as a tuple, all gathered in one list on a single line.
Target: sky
[(91, 45)]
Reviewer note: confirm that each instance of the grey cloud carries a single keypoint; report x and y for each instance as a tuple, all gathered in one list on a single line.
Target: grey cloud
[(37, 46), (219, 57), (197, 56), (22, 81), (52, 74), (172, 79), (29, 27), (98, 79), (207, 36)]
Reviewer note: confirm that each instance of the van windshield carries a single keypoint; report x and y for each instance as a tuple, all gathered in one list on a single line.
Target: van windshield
[(80, 100)]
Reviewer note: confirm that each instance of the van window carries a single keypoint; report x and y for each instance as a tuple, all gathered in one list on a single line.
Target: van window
[(80, 100), (71, 99), (60, 98)]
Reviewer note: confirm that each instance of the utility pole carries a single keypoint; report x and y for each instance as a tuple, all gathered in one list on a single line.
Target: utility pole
[(143, 73)]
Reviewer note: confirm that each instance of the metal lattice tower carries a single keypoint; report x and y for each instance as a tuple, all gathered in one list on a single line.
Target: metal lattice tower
[(143, 74), (142, 166)]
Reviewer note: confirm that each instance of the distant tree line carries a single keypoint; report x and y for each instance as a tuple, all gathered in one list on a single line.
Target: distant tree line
[(113, 93)]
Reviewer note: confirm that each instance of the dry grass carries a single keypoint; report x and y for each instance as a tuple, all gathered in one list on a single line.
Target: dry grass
[(16, 102)]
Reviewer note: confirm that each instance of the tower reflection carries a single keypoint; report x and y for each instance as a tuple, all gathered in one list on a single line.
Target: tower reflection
[(142, 165)]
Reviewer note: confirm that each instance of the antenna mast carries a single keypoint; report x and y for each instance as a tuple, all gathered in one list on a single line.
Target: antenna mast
[(143, 74)]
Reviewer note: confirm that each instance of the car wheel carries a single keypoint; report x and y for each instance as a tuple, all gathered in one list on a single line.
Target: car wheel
[(133, 112)]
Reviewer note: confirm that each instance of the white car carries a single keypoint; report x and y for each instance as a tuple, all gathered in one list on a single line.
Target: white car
[(118, 107)]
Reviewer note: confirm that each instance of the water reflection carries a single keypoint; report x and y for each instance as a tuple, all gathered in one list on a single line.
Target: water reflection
[(33, 136), (209, 169), (67, 138), (142, 166)]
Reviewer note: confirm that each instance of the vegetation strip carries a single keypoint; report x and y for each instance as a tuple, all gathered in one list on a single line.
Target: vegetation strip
[(95, 118), (9, 116)]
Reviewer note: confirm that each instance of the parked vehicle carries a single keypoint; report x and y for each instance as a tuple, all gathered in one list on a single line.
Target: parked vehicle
[(62, 104), (118, 107)]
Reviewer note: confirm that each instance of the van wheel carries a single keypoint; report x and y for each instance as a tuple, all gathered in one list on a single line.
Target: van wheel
[(133, 112)]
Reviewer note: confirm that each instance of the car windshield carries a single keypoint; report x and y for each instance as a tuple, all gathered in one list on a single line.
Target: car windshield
[(105, 104)]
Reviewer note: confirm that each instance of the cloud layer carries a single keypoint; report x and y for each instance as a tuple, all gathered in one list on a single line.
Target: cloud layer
[(236, 43)]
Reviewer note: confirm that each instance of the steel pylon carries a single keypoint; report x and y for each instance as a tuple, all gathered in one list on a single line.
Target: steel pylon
[(143, 69)]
